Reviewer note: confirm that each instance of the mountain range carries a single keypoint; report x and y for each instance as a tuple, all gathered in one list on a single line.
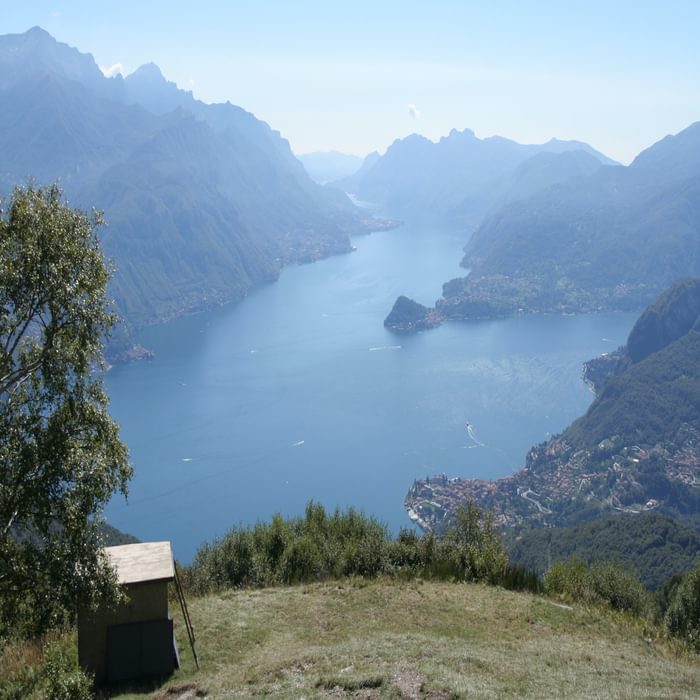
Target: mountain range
[(462, 177), (202, 202), (609, 241)]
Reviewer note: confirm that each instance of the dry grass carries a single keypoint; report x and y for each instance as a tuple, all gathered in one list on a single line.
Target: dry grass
[(419, 640), (18, 656)]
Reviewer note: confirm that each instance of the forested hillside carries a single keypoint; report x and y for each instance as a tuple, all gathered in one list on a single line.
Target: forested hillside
[(654, 546), (609, 241)]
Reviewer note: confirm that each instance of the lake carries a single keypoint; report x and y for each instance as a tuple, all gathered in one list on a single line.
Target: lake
[(300, 393)]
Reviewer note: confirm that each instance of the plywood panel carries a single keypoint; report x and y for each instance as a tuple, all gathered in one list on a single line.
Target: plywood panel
[(147, 561)]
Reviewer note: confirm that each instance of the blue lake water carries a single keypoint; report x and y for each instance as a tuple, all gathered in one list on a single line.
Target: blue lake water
[(300, 393)]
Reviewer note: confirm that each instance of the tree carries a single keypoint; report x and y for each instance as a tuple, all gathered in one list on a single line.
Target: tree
[(61, 458)]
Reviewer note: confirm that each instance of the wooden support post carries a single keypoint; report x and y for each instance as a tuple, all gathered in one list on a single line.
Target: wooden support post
[(186, 616)]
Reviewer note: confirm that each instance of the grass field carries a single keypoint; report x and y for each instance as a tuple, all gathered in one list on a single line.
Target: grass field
[(418, 639)]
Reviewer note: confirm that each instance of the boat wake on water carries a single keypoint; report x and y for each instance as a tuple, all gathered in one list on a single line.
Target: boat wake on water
[(472, 435), (386, 347)]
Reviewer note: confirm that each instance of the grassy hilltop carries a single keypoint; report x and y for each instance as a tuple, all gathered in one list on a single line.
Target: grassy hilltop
[(374, 616), (384, 639)]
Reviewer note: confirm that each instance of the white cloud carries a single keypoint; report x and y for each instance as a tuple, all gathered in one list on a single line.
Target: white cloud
[(413, 112), (112, 70)]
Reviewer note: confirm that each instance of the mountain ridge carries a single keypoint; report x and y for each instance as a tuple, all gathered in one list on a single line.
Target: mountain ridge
[(209, 181), (611, 240), (457, 178)]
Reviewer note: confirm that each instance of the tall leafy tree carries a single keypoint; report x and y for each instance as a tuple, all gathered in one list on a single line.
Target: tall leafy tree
[(61, 458)]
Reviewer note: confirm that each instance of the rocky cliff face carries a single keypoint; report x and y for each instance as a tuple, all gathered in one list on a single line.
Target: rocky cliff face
[(671, 316)]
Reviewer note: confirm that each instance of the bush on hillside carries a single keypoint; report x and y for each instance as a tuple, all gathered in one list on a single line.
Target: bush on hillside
[(295, 550), (519, 578), (482, 556), (321, 546), (683, 615), (601, 583), (54, 674), (667, 592)]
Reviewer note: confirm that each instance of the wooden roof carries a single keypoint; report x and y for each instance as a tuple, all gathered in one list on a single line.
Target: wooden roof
[(146, 561)]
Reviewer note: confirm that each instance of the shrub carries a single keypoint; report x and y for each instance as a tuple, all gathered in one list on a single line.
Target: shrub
[(403, 555), (54, 675), (683, 615), (568, 579), (520, 578), (477, 547), (667, 592), (232, 561), (350, 543), (365, 556), (619, 588), (606, 583), (300, 561)]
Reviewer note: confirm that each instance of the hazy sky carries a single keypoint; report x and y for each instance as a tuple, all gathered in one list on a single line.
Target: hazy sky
[(355, 75)]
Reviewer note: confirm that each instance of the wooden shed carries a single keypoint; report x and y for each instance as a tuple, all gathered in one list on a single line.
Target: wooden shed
[(136, 639)]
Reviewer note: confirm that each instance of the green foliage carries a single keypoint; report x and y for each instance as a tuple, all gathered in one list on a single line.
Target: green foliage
[(316, 546), (64, 680), (300, 561), (601, 583), (653, 545), (325, 546), (519, 578), (61, 458), (647, 403), (480, 555), (568, 579), (667, 592), (683, 615), (54, 676)]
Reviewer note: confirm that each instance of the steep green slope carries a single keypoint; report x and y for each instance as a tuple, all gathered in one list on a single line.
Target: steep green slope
[(648, 402), (669, 317), (654, 546), (653, 386)]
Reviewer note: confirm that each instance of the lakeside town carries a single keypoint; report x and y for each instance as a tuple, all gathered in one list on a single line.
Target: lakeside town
[(558, 482)]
